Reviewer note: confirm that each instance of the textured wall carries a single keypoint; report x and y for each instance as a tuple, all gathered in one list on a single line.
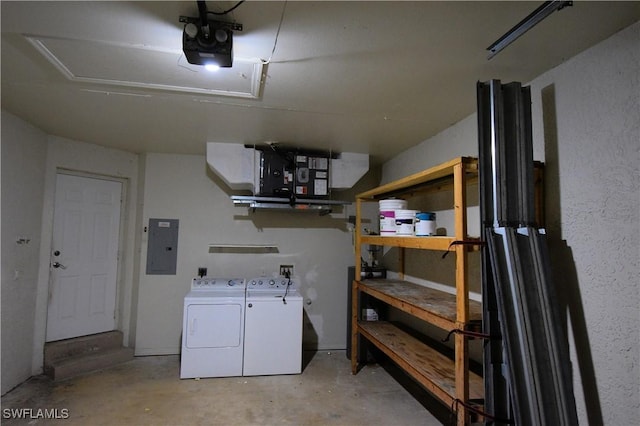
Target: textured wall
[(23, 157), (586, 118), (590, 129)]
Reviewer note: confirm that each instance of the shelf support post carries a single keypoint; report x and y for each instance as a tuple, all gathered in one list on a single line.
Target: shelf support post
[(354, 288), (462, 291)]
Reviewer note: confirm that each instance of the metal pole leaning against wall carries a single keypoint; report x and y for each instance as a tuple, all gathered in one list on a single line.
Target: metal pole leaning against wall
[(520, 311)]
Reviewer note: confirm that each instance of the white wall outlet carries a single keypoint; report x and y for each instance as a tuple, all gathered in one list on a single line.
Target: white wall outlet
[(284, 269)]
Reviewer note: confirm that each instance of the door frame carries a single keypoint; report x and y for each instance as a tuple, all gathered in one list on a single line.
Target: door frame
[(66, 155), (121, 234)]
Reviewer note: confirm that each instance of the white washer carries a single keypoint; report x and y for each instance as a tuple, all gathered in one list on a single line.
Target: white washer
[(273, 327), (213, 328)]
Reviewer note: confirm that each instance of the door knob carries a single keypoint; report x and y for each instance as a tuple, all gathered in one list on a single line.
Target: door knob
[(58, 265)]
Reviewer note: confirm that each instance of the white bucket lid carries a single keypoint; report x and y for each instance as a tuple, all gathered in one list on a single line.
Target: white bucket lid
[(393, 203), (406, 214)]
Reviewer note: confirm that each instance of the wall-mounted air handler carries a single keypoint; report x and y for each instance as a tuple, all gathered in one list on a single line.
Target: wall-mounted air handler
[(290, 177)]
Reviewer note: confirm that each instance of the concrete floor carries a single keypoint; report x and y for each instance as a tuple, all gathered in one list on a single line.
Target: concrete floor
[(147, 391)]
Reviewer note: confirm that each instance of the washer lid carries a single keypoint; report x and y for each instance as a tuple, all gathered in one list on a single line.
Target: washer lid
[(212, 296), (275, 294)]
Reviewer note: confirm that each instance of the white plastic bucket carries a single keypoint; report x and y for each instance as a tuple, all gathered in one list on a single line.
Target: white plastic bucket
[(425, 224), (387, 215), (405, 220)]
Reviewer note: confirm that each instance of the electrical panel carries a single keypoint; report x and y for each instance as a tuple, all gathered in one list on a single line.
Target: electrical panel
[(294, 174), (162, 246)]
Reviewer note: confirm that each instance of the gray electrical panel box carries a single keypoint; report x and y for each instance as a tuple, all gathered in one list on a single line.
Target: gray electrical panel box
[(162, 246)]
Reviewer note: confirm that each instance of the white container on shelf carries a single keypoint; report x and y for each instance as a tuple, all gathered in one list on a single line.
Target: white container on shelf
[(405, 222), (425, 224), (388, 209)]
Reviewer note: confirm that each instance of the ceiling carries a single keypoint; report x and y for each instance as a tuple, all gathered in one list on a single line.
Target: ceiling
[(366, 77)]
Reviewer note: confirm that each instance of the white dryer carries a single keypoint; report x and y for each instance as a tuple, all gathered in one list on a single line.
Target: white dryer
[(213, 328), (273, 327)]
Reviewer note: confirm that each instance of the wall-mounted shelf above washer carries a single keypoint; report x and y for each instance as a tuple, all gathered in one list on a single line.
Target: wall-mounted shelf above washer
[(323, 207)]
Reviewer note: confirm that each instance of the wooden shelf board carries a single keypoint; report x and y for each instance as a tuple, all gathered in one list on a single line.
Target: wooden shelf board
[(425, 243), (435, 306), (430, 368), (434, 173)]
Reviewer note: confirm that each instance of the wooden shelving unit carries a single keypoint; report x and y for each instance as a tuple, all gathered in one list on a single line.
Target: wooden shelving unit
[(448, 379)]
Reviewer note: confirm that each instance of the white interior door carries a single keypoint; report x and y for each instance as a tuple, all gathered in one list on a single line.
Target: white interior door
[(84, 257)]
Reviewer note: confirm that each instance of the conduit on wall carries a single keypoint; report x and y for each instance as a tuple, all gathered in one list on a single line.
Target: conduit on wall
[(243, 248)]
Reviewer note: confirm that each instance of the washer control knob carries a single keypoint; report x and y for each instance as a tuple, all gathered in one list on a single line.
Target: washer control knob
[(272, 282), (231, 283)]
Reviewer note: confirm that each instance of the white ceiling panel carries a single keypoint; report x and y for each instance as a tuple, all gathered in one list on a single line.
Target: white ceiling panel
[(147, 67)]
